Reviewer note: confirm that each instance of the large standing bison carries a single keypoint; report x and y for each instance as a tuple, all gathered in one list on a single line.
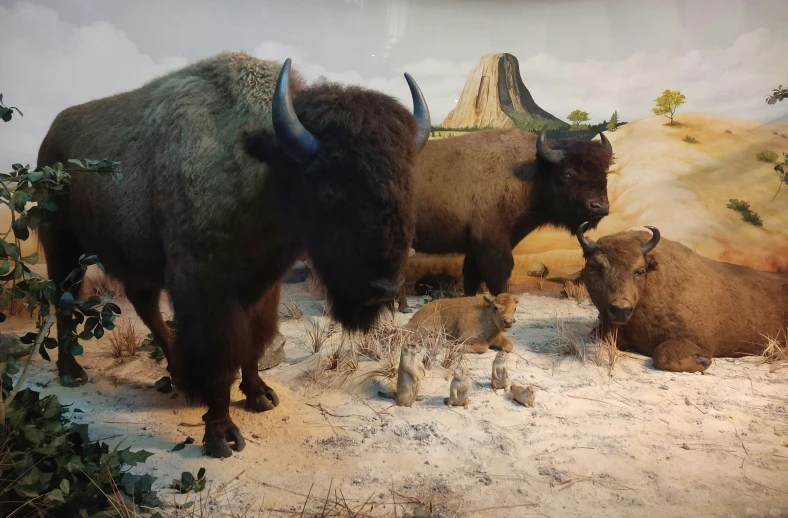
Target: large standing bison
[(227, 180), (480, 194), (678, 307)]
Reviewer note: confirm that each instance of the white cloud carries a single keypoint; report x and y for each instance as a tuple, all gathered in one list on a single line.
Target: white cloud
[(52, 65)]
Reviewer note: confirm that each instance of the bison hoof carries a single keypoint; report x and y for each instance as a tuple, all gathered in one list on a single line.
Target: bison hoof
[(702, 360), (263, 402), (71, 380), (218, 436)]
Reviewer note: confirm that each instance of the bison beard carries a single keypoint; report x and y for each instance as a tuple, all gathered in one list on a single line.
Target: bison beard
[(216, 203)]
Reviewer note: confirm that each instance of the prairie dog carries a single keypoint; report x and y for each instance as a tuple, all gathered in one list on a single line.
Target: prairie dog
[(523, 395), (410, 372), (460, 388), (500, 374)]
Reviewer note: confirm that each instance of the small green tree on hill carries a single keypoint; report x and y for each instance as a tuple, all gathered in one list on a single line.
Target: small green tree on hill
[(668, 102), (611, 126), (577, 116)]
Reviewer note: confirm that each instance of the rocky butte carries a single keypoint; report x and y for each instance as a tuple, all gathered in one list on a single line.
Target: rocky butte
[(494, 95)]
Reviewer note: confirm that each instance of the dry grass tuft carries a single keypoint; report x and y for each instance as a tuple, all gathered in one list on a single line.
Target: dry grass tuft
[(318, 330), (606, 352), (567, 343), (11, 306), (776, 352), (291, 309), (440, 348), (576, 291), (100, 283), (124, 341), (314, 285)]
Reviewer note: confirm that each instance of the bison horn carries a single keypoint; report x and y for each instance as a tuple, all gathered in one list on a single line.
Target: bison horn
[(543, 150), (421, 112), (586, 244), (649, 245), (298, 143), (606, 142)]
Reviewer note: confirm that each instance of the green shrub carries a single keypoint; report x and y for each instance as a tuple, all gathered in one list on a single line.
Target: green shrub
[(728, 132), (767, 155), (747, 214), (690, 140)]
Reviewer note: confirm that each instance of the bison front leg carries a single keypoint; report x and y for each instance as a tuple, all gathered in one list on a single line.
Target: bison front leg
[(502, 343), (476, 345), (211, 337), (263, 321), (680, 355), (495, 264), (402, 302)]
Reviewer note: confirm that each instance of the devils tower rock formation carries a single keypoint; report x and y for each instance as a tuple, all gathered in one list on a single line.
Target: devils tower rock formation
[(494, 95)]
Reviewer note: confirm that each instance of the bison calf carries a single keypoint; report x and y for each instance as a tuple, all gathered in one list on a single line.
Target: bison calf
[(678, 307), (479, 321)]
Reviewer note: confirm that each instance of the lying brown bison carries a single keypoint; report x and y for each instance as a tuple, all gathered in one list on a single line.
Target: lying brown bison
[(480, 194), (227, 180), (678, 307)]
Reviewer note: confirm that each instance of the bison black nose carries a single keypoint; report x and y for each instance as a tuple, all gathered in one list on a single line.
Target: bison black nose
[(385, 290), (619, 314), (599, 208), (508, 323)]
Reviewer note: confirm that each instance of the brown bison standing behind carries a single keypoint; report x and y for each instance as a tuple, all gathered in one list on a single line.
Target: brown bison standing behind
[(678, 307), (480, 194), (227, 180)]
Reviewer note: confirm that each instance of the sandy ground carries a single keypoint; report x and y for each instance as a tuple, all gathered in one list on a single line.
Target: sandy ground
[(634, 442)]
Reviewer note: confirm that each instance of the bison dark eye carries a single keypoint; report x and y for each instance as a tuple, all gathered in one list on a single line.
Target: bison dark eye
[(640, 273), (592, 267)]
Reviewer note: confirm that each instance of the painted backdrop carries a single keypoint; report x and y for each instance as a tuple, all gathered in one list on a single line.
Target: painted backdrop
[(707, 180)]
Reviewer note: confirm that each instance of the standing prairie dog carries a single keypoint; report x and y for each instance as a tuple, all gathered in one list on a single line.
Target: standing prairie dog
[(460, 388), (500, 374), (410, 372), (523, 395)]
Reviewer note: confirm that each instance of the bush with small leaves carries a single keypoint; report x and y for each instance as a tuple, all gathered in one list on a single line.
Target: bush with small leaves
[(690, 140), (53, 468), (747, 214), (767, 155)]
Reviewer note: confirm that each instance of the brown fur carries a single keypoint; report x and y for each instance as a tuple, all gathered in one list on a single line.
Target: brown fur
[(479, 321), (481, 193), (211, 209), (524, 395), (500, 373), (459, 389), (686, 308)]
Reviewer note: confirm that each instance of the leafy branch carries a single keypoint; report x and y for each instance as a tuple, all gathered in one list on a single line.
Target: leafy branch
[(7, 111), (47, 464), (778, 94)]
